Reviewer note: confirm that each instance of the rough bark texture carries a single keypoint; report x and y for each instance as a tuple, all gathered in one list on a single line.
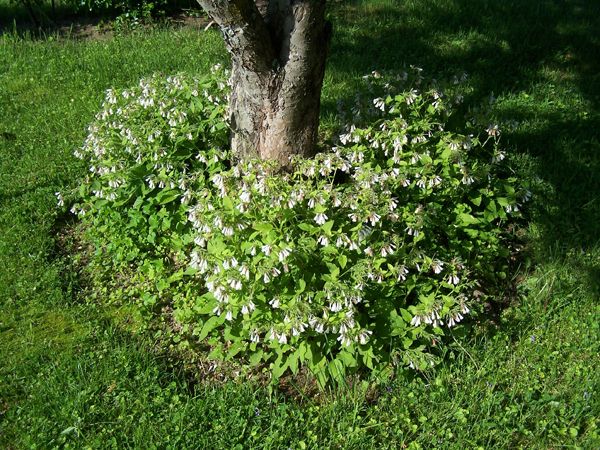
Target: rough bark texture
[(278, 50)]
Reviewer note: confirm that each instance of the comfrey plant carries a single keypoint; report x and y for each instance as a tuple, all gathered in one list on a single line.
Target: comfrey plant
[(141, 149), (358, 258)]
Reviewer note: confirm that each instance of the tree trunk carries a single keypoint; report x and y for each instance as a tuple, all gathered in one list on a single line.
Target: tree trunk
[(278, 50)]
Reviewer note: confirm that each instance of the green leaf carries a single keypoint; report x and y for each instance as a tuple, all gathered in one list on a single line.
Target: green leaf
[(503, 201), (333, 270), (161, 284), (337, 370), (307, 227), (235, 348), (327, 226), (148, 299), (205, 304), (303, 351), (256, 357), (472, 233), (343, 260), (319, 208), (167, 196), (211, 324), (397, 323), (367, 358), (228, 204), (263, 227), (216, 246), (347, 358), (176, 276), (467, 219), (301, 286), (292, 362), (476, 200), (190, 271), (278, 367), (405, 315)]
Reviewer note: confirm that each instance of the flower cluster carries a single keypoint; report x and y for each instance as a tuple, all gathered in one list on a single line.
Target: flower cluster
[(155, 134), (414, 227)]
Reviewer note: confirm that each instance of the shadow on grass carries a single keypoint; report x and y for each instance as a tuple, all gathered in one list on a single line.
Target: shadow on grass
[(506, 47), (40, 19)]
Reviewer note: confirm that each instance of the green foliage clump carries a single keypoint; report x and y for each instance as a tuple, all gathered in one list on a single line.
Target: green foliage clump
[(361, 258), (141, 149)]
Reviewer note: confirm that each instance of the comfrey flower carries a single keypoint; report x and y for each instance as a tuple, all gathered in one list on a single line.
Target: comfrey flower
[(245, 196), (437, 266), (248, 308), (402, 272), (453, 279), (467, 179), (60, 199), (373, 217), (412, 231), (335, 307), (320, 218), (493, 130), (388, 250), (435, 181), (218, 181), (344, 340), (454, 319), (284, 253), (379, 104), (244, 271), (323, 240), (236, 285), (364, 336), (198, 263)]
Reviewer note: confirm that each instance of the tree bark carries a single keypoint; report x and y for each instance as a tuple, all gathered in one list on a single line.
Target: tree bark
[(278, 50)]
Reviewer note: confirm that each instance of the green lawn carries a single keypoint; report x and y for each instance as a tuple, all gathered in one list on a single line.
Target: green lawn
[(73, 375)]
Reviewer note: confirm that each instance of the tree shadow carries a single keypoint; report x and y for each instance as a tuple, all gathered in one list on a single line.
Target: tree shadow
[(508, 47), (39, 19)]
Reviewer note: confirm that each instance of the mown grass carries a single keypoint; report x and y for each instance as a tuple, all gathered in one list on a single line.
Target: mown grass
[(73, 376)]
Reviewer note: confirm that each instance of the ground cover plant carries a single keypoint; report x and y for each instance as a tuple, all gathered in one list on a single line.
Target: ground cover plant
[(298, 269), (74, 375)]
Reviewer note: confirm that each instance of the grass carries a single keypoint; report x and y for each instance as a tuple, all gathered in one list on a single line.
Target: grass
[(72, 376)]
